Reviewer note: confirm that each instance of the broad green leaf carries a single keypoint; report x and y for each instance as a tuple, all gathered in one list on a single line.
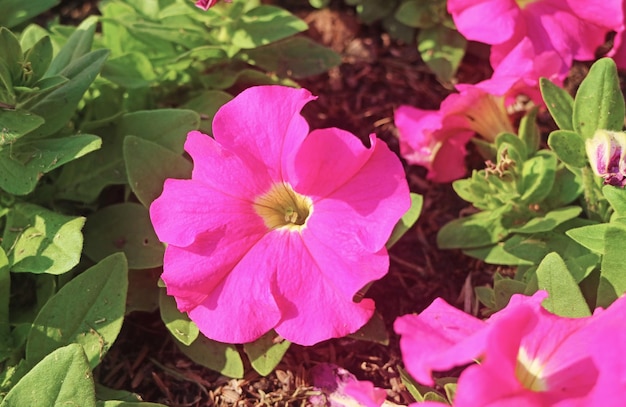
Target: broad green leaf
[(265, 353), (538, 176), (178, 323), (549, 221), (591, 236), (106, 393), (486, 296), (221, 357), (481, 229), (373, 10), (11, 53), (16, 123), (132, 70), (58, 106), (515, 146), (568, 186), (407, 220), (126, 228), (496, 254), (23, 164), (442, 49), (31, 34), (411, 385), (148, 165), (617, 198), (78, 45), (5, 295), (564, 295), (62, 378), (504, 289), (569, 147), (167, 127), (418, 13), (612, 276), (296, 57), (263, 25), (560, 103), (89, 310), (38, 240), (15, 12), (599, 103), (37, 59), (206, 104)]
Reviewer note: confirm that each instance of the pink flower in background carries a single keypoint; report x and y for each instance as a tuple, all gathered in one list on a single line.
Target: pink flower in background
[(340, 388), (527, 356), (206, 4), (278, 228), (570, 29)]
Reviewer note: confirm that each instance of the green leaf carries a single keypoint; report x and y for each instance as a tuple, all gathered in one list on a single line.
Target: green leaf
[(133, 70), (486, 296), (599, 103), (591, 236), (538, 176), (480, 229), (529, 132), (58, 106), (22, 166), (617, 198), (89, 310), (265, 353), (37, 59), (126, 228), (569, 147), (15, 12), (564, 295), (417, 13), (497, 254), (62, 378), (38, 240), (373, 331), (560, 103), (407, 220), (504, 289), (11, 53), (120, 403), (178, 323), (263, 25), (16, 123), (612, 276), (148, 165), (221, 357), (297, 57), (77, 45), (411, 385), (549, 221), (442, 49), (5, 295)]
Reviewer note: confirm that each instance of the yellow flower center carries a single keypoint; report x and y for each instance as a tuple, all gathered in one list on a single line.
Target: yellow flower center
[(488, 117), (529, 372), (524, 3), (282, 207)]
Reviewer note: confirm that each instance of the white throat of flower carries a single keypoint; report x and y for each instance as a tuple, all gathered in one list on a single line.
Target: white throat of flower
[(529, 372), (283, 208)]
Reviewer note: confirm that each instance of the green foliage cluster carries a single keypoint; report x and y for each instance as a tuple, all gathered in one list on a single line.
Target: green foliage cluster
[(544, 210)]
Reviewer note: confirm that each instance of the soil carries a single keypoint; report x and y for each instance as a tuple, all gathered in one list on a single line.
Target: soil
[(377, 75)]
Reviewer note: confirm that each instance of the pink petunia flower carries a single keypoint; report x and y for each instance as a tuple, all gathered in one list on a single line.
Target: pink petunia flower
[(527, 356), (340, 388), (571, 29), (207, 4), (278, 228)]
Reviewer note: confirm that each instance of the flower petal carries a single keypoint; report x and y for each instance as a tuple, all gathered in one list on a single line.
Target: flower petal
[(241, 308), (470, 17), (313, 309), (188, 208), (264, 123)]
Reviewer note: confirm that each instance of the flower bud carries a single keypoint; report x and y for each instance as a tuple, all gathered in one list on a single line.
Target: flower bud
[(606, 154)]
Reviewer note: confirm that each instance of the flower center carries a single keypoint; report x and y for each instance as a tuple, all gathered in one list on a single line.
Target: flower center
[(529, 372), (488, 117), (524, 3), (282, 207)]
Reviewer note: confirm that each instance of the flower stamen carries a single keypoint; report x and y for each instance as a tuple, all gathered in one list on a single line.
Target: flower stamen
[(282, 207)]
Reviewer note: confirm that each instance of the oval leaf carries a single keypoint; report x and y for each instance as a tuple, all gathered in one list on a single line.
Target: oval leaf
[(221, 357), (565, 298), (178, 323), (265, 353)]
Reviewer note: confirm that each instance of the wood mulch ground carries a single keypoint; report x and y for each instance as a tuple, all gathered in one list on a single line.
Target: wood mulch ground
[(377, 75)]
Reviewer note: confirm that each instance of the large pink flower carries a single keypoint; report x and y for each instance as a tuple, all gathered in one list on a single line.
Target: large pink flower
[(278, 228), (528, 356), (572, 29)]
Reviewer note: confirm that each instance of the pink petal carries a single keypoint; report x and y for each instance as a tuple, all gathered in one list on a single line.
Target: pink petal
[(242, 307), (470, 17), (428, 341), (188, 208), (365, 393), (313, 308), (264, 123), (220, 169), (365, 206), (205, 4)]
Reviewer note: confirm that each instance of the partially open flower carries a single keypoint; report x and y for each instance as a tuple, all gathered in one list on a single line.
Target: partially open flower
[(607, 154)]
